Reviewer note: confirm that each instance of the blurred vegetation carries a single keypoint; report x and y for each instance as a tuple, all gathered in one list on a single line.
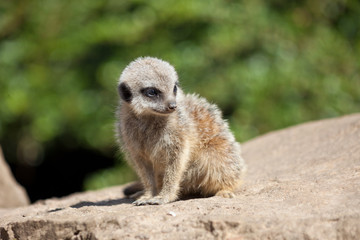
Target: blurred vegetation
[(267, 64)]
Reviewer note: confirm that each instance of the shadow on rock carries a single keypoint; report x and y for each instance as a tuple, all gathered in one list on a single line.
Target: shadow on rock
[(103, 203)]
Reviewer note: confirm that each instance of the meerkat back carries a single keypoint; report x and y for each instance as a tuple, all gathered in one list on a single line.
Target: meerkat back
[(178, 144)]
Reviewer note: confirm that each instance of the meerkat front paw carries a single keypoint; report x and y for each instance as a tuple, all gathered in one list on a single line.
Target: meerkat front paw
[(157, 201), (225, 194), (152, 201), (142, 200)]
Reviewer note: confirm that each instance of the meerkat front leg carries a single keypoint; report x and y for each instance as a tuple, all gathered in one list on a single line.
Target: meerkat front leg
[(173, 174), (144, 170)]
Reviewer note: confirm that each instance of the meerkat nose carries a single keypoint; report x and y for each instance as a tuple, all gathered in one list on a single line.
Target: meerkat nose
[(172, 105)]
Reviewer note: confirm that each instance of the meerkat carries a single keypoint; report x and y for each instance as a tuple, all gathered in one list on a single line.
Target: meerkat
[(177, 143)]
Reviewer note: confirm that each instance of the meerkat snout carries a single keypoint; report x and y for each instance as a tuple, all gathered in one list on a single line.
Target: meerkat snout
[(172, 105)]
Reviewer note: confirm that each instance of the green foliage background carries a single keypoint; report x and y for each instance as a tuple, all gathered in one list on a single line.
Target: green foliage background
[(268, 64)]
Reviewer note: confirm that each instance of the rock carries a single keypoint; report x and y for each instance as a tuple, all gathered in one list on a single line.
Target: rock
[(302, 183), (11, 193)]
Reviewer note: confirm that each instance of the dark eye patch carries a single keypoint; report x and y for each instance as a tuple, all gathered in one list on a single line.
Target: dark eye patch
[(124, 92), (151, 92)]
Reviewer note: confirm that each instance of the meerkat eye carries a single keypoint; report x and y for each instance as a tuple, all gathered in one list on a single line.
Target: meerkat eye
[(150, 92)]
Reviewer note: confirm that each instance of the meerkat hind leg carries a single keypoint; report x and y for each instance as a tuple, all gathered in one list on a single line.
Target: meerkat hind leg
[(137, 194), (134, 190)]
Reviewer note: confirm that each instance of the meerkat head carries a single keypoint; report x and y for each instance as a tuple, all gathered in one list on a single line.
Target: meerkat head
[(149, 86)]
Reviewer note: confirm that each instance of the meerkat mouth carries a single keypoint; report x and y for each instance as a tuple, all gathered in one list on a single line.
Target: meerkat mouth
[(165, 112)]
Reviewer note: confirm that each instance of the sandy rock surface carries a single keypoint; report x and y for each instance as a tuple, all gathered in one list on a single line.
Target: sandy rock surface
[(11, 193), (302, 183)]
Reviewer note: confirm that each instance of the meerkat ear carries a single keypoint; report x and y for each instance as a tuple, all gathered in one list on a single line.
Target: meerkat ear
[(124, 92)]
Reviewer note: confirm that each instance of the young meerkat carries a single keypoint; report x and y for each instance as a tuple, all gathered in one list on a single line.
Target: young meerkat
[(177, 143)]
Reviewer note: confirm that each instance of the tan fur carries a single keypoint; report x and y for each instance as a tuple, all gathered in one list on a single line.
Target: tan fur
[(185, 151)]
